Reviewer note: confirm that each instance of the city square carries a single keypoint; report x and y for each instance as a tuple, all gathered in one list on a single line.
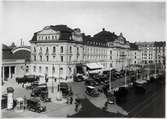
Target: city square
[(64, 71)]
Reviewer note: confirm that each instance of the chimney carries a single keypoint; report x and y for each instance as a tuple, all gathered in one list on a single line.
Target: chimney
[(103, 29), (21, 42)]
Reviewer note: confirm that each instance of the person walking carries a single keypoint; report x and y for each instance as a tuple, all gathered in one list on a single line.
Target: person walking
[(76, 105), (25, 103), (71, 100)]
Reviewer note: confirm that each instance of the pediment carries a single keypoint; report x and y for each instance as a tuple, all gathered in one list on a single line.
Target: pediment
[(47, 31)]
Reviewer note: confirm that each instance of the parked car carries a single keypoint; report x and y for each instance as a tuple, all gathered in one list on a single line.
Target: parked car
[(121, 94), (140, 86), (91, 91), (91, 83), (78, 78), (65, 89), (34, 105), (40, 90)]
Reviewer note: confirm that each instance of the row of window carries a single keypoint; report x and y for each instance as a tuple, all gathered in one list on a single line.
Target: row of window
[(46, 69), (96, 43), (54, 49), (51, 37), (95, 51)]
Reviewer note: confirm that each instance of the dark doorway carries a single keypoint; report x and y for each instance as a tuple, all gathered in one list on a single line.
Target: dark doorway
[(12, 70), (6, 73)]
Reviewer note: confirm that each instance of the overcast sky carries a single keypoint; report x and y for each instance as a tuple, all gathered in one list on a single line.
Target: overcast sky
[(138, 21)]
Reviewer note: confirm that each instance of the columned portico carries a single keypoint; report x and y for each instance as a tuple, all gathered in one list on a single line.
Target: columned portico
[(7, 72)]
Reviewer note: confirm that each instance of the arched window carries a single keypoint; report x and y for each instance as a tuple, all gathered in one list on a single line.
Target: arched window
[(34, 50), (61, 49), (46, 69), (61, 58), (53, 69), (47, 58), (34, 68), (54, 49), (34, 57), (61, 70), (27, 68), (47, 50), (40, 58), (70, 49), (110, 52), (41, 49), (40, 69)]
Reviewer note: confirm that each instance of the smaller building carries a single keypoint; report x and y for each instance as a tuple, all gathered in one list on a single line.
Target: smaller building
[(15, 61)]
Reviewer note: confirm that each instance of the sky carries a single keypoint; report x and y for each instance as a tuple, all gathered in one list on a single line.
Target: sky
[(138, 21)]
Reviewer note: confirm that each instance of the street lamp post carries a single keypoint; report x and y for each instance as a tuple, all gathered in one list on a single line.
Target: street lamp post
[(52, 79), (110, 76)]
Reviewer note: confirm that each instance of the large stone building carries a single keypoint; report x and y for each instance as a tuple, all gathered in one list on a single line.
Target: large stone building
[(59, 51)]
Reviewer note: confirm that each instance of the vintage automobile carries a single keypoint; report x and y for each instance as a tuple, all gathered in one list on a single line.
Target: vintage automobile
[(79, 78), (40, 90), (91, 91), (65, 89), (45, 98), (121, 94), (34, 105), (91, 83), (140, 86)]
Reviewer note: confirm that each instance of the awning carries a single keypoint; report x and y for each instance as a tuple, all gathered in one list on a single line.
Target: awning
[(141, 81), (93, 66), (95, 71), (107, 69), (100, 65)]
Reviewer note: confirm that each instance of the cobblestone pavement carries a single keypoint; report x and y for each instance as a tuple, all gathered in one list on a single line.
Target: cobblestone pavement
[(53, 109), (56, 109)]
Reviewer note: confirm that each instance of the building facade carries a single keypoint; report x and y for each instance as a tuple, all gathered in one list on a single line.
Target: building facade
[(59, 51), (152, 52)]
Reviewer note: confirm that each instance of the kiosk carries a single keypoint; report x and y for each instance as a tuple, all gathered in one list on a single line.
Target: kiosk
[(19, 104), (10, 101)]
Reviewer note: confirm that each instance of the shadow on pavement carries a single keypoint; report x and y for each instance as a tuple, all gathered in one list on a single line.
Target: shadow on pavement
[(89, 110)]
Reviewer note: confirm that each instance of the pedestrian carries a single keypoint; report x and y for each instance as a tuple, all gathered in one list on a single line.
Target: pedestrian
[(106, 105), (67, 100), (76, 107), (25, 102), (71, 100)]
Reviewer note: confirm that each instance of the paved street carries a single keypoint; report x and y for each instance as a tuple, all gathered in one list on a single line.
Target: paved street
[(151, 104), (90, 110)]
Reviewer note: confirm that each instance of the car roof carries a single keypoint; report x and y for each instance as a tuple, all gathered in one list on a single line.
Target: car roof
[(34, 100), (90, 87)]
